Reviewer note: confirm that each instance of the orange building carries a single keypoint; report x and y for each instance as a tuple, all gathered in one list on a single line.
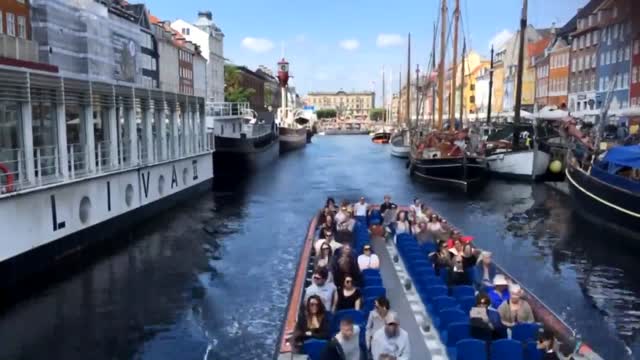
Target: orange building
[(559, 57), (14, 18)]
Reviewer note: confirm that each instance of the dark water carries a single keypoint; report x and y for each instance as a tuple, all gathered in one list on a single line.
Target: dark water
[(171, 294)]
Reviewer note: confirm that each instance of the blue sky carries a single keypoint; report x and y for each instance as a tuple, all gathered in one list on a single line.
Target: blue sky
[(334, 44)]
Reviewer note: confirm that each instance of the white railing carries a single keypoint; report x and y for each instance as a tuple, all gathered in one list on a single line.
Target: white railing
[(11, 170), (226, 109), (77, 156), (46, 162)]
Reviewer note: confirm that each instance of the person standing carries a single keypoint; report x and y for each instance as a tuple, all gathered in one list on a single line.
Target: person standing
[(361, 208), (368, 260), (377, 318), (386, 205), (391, 340)]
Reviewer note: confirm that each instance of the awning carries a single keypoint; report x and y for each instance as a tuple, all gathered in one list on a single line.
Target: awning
[(621, 156)]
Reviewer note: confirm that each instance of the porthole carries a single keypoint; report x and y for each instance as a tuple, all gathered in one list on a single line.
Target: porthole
[(128, 195), (161, 184), (85, 209)]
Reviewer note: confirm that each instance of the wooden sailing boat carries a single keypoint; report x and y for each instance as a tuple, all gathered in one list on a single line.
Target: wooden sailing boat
[(442, 157), (400, 142), (516, 159)]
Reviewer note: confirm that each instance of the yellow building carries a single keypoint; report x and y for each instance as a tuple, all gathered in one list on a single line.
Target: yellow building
[(347, 104), (473, 66), (498, 87)]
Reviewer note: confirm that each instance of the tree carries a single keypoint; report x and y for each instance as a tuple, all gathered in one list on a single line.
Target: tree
[(376, 114), (233, 90), (326, 113)]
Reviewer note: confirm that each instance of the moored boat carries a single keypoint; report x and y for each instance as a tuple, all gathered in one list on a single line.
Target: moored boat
[(291, 122), (400, 144), (410, 288), (381, 137), (608, 190)]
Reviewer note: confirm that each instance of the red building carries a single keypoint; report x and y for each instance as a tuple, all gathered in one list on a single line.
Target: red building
[(14, 18), (635, 72)]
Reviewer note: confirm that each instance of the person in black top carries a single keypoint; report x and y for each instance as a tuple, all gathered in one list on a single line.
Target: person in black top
[(313, 322), (441, 258), (469, 258), (457, 275), (386, 205), (349, 296)]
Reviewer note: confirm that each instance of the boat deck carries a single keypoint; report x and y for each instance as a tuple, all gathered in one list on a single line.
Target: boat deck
[(410, 309)]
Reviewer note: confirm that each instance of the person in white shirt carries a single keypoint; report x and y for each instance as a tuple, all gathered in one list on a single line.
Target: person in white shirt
[(328, 239), (377, 318), (361, 208), (325, 290), (368, 260), (402, 224), (416, 207), (391, 341), (341, 216)]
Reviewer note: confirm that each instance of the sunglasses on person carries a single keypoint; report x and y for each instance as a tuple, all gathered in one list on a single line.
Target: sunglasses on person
[(348, 281), (317, 277), (313, 303)]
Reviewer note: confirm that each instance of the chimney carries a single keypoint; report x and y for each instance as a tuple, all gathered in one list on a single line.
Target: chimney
[(553, 28), (205, 14)]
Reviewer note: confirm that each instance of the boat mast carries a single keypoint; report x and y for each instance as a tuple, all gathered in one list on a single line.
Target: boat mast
[(417, 92), (443, 48), (408, 105), (384, 105), (464, 49), (399, 96), (490, 87), (452, 96), (516, 117), (433, 85)]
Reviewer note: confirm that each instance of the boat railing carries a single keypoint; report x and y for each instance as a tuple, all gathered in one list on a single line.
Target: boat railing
[(228, 109)]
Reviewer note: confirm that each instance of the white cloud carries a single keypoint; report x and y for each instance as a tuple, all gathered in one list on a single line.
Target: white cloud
[(500, 38), (300, 38), (386, 40), (350, 44), (258, 45)]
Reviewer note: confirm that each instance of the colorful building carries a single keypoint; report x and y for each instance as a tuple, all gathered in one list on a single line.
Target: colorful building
[(497, 95), (635, 73), (539, 69), (14, 18), (541, 65), (614, 52), (584, 49), (559, 55)]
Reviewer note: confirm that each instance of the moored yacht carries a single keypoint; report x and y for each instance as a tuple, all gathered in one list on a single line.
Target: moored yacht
[(244, 138), (401, 144), (291, 121)]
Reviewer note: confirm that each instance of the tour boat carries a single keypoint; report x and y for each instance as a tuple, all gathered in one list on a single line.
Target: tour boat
[(603, 193), (411, 289), (244, 139)]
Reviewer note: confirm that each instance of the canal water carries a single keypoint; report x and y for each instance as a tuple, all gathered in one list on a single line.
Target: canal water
[(210, 278)]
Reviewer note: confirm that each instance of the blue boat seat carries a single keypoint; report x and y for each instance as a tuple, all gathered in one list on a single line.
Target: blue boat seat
[(471, 349), (373, 291), (313, 348), (525, 332), (435, 291), (372, 281), (462, 291), (466, 303), (450, 316), (371, 272), (531, 351), (356, 315), (444, 302), (455, 332), (506, 349)]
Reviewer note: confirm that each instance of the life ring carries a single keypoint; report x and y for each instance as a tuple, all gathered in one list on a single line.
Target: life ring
[(9, 187)]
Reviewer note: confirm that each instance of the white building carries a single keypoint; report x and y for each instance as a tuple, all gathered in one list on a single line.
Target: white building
[(209, 38)]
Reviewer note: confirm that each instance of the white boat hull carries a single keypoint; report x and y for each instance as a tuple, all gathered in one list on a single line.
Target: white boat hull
[(527, 164), (400, 151)]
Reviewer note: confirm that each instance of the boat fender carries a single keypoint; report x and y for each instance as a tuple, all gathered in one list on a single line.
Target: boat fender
[(9, 175)]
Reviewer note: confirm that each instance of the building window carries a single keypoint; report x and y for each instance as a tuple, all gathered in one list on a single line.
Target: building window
[(581, 42), (627, 53), (1, 20), (11, 24), (620, 55), (615, 11), (602, 59), (587, 62), (588, 37), (607, 59), (593, 82), (634, 75), (594, 60), (596, 36), (625, 81), (636, 45), (615, 31)]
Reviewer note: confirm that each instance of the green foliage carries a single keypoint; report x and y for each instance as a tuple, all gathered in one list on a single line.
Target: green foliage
[(233, 91), (326, 113), (377, 114)]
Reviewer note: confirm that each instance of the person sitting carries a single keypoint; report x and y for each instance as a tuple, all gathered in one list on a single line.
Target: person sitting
[(328, 224), (320, 287), (345, 345), (377, 318), (416, 207), (457, 248), (313, 322), (386, 205), (500, 291), (546, 343), (342, 213), (330, 205), (469, 258), (391, 341), (346, 265), (361, 208), (515, 310), (328, 239), (441, 258), (368, 260), (325, 254), (413, 222), (349, 296), (422, 234), (402, 224), (485, 271), (455, 235), (484, 321), (457, 275), (347, 224)]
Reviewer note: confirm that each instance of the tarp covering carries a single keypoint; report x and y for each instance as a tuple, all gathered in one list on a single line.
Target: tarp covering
[(620, 156)]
